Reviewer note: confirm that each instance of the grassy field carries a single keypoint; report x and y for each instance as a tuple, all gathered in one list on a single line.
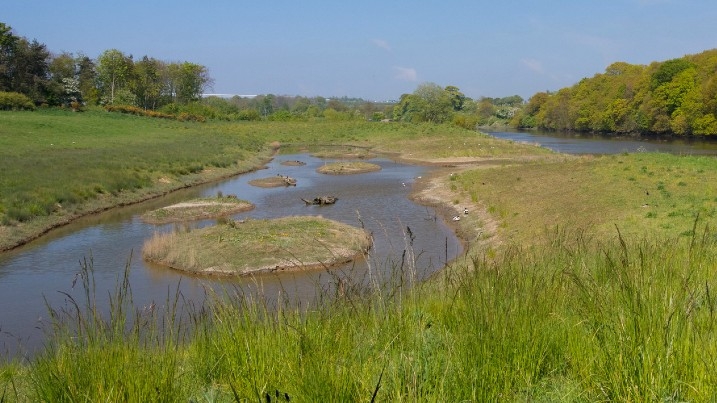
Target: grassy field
[(600, 287), (642, 194), (57, 165)]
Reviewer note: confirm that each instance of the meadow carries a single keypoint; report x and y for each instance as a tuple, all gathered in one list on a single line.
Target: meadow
[(599, 286)]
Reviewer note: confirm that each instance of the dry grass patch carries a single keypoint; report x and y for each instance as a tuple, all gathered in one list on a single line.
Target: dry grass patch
[(197, 209), (255, 246), (348, 167)]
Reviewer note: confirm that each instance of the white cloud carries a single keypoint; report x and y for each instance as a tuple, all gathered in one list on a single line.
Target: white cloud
[(534, 65), (405, 73), (382, 44)]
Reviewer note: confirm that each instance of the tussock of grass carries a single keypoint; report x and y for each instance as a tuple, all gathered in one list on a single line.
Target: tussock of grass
[(290, 243)]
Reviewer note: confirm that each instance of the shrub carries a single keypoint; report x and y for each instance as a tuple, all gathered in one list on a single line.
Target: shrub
[(11, 101)]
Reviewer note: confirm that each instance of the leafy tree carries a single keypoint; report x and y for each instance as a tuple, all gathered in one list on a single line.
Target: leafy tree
[(113, 72), (486, 108), (437, 103), (87, 79), (456, 97), (187, 81), (29, 70), (8, 44), (667, 70), (149, 84), (64, 84)]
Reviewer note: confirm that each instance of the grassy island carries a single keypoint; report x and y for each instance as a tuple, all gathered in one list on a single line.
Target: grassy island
[(197, 209), (255, 246), (348, 168)]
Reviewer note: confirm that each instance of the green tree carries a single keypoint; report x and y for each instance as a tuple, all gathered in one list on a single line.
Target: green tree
[(64, 86), (113, 72), (187, 81), (29, 70), (456, 96), (87, 79), (8, 44), (149, 84), (437, 103)]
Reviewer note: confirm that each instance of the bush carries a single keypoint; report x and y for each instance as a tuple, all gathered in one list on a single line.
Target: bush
[(12, 101)]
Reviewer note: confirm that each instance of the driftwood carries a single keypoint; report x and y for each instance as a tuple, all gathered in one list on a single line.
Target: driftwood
[(321, 200)]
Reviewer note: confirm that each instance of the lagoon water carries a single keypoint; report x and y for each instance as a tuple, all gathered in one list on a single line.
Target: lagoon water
[(47, 268)]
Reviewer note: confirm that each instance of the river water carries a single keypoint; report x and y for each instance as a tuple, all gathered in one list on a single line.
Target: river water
[(45, 269), (571, 143)]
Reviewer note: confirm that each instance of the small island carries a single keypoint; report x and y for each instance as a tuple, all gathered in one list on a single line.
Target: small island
[(197, 209), (273, 181), (259, 246), (348, 168)]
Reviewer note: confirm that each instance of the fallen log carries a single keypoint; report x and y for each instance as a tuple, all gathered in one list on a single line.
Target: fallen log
[(321, 200)]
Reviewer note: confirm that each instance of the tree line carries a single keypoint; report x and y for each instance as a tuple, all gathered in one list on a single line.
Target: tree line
[(677, 96), (29, 68)]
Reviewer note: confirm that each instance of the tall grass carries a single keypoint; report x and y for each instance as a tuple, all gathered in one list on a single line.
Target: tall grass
[(126, 354), (573, 320)]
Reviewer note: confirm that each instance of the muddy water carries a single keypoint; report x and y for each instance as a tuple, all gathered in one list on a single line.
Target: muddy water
[(44, 269)]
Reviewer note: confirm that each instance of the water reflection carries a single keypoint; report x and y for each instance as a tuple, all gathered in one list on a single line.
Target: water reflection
[(377, 200)]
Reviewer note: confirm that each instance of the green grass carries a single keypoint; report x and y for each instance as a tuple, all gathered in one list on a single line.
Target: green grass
[(630, 320), (641, 194)]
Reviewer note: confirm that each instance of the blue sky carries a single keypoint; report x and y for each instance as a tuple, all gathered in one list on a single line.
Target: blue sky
[(377, 50)]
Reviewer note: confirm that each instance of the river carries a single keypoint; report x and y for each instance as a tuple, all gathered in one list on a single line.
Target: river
[(47, 268), (572, 143)]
